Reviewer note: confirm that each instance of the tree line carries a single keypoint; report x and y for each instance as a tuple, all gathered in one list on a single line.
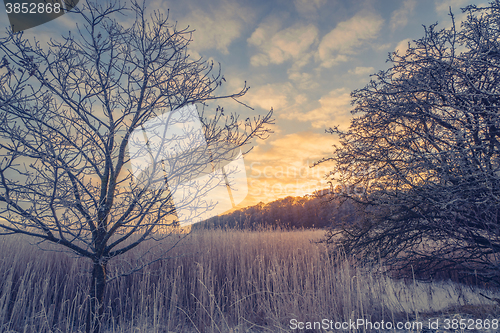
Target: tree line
[(305, 212)]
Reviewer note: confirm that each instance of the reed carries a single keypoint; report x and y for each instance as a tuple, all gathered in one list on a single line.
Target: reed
[(214, 281)]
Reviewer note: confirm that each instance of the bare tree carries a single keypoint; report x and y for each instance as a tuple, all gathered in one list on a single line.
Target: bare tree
[(76, 114), (422, 157)]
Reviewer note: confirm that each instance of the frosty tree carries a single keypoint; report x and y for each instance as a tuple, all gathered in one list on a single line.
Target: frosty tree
[(422, 156), (68, 114)]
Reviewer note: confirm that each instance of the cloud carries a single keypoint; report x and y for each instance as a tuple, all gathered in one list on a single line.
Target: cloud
[(282, 168), (277, 47), (290, 148), (383, 47), (270, 96), (443, 6), (399, 18), (443, 9), (334, 109), (279, 96), (216, 27), (402, 46), (362, 71), (308, 8), (338, 44), (303, 80)]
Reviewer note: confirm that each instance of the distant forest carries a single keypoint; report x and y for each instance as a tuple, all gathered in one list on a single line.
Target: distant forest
[(289, 213)]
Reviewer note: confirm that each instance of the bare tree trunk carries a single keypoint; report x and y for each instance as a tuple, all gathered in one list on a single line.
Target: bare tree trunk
[(96, 309)]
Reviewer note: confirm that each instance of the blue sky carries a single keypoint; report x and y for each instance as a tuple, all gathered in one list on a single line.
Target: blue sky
[(302, 58)]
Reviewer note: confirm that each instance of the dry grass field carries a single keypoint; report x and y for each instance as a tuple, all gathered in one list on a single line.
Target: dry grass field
[(219, 281)]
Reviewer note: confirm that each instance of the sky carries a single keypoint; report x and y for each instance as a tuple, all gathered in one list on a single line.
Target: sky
[(302, 58)]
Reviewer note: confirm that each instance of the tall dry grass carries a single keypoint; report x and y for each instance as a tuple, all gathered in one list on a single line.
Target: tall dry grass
[(215, 281)]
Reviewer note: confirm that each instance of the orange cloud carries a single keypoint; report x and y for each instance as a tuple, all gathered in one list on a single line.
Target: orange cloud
[(334, 110), (284, 168)]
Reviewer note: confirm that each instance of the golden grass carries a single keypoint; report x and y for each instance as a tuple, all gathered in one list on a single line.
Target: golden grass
[(216, 281)]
